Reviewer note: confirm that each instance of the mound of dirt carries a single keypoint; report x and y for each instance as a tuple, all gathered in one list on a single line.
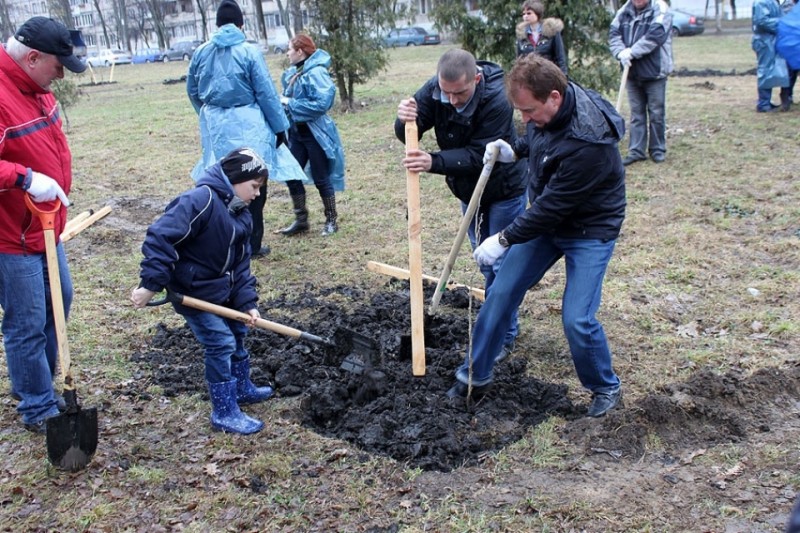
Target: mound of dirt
[(382, 409)]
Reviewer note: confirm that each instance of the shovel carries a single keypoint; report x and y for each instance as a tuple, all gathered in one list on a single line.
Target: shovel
[(227, 312), (71, 435), (362, 351), (462, 231)]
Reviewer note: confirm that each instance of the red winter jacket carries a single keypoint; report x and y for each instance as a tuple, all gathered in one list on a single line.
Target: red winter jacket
[(30, 138)]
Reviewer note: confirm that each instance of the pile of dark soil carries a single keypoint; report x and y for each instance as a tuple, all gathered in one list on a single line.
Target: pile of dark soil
[(384, 409)]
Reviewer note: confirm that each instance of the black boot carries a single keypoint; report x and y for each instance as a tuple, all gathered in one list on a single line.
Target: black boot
[(330, 216), (300, 223)]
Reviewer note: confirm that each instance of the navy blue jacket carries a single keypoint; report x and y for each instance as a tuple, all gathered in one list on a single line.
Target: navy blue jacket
[(462, 137), (577, 181), (200, 247)]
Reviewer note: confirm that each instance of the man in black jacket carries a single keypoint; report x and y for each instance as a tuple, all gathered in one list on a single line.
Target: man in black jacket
[(466, 106), (576, 192)]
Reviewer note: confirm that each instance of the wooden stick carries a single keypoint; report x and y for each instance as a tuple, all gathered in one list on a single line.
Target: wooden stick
[(622, 84), (85, 223), (401, 273), (462, 231), (78, 218), (415, 258)]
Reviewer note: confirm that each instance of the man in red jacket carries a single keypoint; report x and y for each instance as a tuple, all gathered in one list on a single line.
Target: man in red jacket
[(34, 160)]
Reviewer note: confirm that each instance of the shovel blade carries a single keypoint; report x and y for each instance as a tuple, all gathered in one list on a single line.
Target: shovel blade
[(363, 351), (72, 439)]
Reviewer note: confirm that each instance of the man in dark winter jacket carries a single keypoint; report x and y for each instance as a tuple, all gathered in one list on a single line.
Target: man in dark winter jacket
[(466, 106), (641, 39), (576, 192), (200, 248)]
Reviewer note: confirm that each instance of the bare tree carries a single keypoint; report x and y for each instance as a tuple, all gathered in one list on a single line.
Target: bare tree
[(102, 22), (203, 7), (297, 17), (61, 10), (122, 23), (7, 28), (261, 28), (156, 9)]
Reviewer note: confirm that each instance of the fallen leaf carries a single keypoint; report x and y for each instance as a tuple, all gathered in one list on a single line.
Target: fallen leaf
[(211, 469)]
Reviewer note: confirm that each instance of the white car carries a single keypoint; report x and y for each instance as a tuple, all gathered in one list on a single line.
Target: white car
[(109, 57)]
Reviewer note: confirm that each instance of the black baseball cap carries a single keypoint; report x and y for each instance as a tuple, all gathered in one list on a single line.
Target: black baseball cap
[(51, 37)]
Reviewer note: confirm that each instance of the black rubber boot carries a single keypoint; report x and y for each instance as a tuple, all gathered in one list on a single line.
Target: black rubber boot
[(330, 216), (300, 223)]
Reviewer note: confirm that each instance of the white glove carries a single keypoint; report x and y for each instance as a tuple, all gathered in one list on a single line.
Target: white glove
[(46, 189), (489, 251), (625, 57), (505, 153), (285, 100)]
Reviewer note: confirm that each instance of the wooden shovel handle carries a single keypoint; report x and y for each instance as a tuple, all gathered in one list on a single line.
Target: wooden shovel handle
[(415, 258), (47, 219)]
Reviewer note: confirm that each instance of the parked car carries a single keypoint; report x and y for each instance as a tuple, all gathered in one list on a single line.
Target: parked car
[(411, 36), (684, 23), (147, 55), (279, 44), (261, 47), (182, 51), (108, 57)]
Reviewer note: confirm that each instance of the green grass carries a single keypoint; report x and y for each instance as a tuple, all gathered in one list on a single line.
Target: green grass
[(718, 218)]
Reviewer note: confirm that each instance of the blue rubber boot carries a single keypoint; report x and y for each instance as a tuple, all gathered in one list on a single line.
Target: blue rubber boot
[(225, 413), (246, 391)]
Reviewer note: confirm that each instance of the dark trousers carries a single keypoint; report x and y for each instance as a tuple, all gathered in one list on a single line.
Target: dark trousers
[(306, 150), (257, 210)]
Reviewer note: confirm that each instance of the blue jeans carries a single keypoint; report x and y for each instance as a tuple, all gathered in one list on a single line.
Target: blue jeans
[(648, 103), (29, 333), (492, 219), (222, 339), (525, 264)]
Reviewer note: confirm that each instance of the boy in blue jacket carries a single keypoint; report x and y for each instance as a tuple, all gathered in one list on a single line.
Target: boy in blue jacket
[(200, 247)]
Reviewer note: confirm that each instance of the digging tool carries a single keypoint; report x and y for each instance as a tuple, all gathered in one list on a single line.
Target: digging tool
[(362, 352), (233, 314), (474, 200), (622, 84), (415, 258), (401, 273), (71, 435), (79, 226)]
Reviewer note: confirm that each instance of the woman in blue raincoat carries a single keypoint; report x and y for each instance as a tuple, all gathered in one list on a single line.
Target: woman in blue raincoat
[(308, 94), (231, 90), (772, 70)]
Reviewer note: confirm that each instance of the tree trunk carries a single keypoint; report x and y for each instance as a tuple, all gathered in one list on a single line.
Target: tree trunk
[(6, 27), (297, 16), (61, 10), (261, 27), (102, 22), (201, 7)]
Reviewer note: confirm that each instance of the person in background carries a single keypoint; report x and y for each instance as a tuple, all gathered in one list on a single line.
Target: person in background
[(772, 69), (786, 7), (641, 39), (200, 248), (466, 106), (231, 90), (576, 195), (542, 36), (34, 160), (308, 94)]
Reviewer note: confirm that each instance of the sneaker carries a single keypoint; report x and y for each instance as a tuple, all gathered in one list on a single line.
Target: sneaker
[(658, 158), (603, 402), (504, 352), (39, 427), (460, 390), (630, 159)]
